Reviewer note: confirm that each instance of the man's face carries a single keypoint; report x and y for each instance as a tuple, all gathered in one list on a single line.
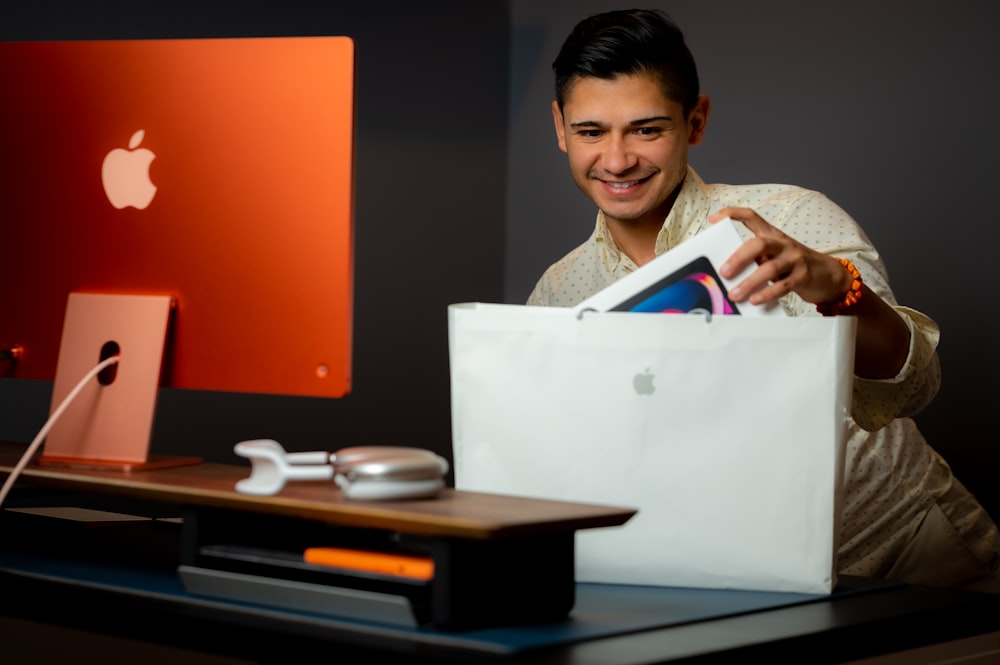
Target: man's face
[(627, 144)]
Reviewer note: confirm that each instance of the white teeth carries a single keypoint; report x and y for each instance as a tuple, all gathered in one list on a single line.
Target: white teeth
[(621, 185)]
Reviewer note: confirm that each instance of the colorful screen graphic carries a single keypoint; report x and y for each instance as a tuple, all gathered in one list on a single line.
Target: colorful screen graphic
[(695, 288)]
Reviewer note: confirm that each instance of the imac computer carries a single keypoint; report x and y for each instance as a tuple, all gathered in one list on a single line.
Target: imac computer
[(184, 206)]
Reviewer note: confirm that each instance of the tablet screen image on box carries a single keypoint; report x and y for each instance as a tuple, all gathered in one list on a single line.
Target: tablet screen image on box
[(693, 289)]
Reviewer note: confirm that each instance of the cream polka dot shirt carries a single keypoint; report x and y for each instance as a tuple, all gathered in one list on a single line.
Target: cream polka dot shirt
[(893, 476)]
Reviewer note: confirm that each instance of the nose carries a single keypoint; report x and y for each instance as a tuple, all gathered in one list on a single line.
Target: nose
[(618, 157)]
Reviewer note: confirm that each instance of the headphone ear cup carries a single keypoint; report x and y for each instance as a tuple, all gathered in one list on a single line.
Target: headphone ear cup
[(388, 490), (388, 472)]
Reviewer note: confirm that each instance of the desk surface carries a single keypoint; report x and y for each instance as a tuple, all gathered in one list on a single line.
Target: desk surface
[(453, 513)]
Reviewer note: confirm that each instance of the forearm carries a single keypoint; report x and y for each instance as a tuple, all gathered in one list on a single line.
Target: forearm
[(882, 340)]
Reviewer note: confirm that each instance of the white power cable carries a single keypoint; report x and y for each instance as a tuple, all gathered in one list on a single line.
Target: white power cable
[(42, 433)]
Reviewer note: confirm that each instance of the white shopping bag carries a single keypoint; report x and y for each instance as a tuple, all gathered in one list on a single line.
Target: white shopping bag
[(727, 433)]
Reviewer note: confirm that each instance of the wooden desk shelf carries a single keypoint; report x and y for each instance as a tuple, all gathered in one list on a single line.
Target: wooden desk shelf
[(498, 560)]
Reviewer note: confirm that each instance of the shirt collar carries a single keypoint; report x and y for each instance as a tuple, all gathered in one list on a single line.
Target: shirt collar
[(687, 216), (611, 256)]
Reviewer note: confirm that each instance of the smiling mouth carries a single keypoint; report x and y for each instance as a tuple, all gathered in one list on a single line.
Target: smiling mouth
[(623, 186)]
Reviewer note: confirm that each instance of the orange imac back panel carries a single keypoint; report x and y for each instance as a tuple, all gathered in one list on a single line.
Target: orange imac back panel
[(218, 172)]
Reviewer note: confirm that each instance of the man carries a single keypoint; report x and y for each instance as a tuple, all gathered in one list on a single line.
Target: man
[(627, 110)]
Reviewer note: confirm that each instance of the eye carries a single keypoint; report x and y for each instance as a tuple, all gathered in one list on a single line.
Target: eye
[(590, 133), (649, 131)]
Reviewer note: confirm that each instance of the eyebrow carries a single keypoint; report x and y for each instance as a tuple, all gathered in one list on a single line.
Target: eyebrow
[(633, 123)]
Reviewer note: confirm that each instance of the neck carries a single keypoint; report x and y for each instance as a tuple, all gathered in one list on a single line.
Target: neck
[(635, 238)]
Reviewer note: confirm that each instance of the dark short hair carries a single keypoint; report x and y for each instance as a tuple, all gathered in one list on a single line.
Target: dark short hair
[(625, 43)]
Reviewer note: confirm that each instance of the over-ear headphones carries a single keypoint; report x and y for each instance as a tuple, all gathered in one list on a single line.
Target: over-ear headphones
[(361, 472)]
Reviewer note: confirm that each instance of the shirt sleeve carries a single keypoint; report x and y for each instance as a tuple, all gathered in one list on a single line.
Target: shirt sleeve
[(539, 296), (876, 402)]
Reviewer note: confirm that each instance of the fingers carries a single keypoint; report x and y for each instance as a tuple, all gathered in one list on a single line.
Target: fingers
[(747, 216), (751, 251), (764, 284), (776, 274), (779, 259), (759, 249)]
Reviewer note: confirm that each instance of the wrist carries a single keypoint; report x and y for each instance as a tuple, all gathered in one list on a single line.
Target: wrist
[(843, 304)]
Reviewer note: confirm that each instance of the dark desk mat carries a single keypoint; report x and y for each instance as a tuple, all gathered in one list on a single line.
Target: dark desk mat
[(606, 610), (601, 610)]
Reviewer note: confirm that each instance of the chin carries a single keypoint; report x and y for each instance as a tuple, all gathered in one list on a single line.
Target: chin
[(624, 213), (625, 209)]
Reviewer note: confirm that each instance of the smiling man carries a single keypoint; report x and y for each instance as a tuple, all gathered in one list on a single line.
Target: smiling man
[(627, 110)]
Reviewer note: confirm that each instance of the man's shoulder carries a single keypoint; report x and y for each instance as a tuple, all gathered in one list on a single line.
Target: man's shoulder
[(774, 198), (571, 279), (778, 203), (757, 192)]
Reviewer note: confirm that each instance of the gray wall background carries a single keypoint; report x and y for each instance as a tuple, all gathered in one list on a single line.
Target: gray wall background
[(887, 107)]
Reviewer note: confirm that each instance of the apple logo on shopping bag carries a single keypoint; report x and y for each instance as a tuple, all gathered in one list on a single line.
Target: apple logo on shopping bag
[(643, 382)]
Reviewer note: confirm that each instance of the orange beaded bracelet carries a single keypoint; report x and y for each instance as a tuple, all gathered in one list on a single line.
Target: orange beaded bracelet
[(850, 299)]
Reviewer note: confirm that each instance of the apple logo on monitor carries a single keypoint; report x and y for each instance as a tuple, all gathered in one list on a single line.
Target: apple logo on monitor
[(125, 174)]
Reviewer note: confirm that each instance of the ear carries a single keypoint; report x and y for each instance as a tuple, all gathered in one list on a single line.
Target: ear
[(557, 120), (698, 119)]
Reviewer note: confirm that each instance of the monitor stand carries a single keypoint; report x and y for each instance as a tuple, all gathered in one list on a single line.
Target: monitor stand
[(109, 424)]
